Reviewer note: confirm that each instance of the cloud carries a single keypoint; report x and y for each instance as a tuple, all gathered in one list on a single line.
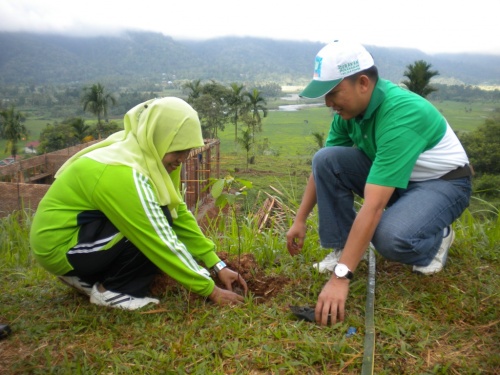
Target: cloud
[(429, 25)]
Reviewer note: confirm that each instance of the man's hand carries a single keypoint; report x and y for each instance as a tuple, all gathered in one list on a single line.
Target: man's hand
[(297, 233), (331, 301), (295, 238), (229, 277), (225, 297)]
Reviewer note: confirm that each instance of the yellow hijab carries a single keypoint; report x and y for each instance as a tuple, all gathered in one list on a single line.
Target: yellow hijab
[(152, 129)]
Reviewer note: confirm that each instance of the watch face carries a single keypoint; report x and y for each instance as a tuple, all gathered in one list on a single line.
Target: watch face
[(341, 270)]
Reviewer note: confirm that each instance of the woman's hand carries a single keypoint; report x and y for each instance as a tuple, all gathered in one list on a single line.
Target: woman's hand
[(225, 297), (229, 277)]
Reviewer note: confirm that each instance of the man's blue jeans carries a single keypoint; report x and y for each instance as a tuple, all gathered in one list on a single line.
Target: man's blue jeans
[(411, 228)]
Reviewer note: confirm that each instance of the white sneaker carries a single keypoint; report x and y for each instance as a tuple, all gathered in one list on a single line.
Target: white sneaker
[(77, 283), (328, 264), (331, 260), (119, 300), (439, 260)]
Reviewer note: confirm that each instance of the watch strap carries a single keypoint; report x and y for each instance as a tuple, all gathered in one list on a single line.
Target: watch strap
[(219, 266), (349, 275)]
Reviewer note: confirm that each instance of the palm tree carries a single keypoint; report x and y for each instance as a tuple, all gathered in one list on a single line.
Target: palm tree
[(419, 76), (237, 103), (195, 90), (96, 100), (80, 128), (246, 142), (256, 104), (12, 129)]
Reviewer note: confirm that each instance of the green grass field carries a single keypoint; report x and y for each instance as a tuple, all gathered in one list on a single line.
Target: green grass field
[(288, 131), (466, 116), (290, 144), (444, 324)]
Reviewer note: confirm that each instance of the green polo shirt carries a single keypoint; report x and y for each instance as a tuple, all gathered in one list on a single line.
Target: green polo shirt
[(396, 128)]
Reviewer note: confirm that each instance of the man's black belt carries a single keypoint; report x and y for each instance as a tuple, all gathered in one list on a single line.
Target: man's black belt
[(460, 172)]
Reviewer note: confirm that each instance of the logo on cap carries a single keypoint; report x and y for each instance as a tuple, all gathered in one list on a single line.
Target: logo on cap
[(349, 68), (317, 67)]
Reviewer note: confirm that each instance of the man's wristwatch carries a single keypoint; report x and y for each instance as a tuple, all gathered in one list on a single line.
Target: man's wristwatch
[(342, 272), (219, 266)]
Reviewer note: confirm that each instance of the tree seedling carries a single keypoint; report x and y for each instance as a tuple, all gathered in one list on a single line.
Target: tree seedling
[(226, 191)]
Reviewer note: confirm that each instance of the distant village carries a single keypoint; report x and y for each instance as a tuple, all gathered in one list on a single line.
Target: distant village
[(29, 148)]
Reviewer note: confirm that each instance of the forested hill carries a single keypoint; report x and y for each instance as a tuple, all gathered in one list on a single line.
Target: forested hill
[(54, 59)]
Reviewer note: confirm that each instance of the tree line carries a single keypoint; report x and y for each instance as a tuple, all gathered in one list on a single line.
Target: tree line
[(219, 105), (216, 104)]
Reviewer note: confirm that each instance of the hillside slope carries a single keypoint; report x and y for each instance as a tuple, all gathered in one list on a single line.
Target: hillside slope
[(28, 58)]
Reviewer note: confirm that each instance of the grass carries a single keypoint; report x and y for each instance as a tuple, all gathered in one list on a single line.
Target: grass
[(443, 324), (462, 120), (284, 149), (318, 120)]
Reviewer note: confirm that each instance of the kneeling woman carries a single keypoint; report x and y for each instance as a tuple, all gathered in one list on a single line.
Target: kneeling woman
[(114, 215)]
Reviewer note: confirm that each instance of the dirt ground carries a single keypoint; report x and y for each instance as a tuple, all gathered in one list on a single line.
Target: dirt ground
[(263, 287)]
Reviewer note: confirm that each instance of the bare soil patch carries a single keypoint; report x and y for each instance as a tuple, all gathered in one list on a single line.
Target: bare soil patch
[(263, 287)]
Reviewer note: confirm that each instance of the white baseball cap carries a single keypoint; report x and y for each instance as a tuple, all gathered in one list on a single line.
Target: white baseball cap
[(333, 63)]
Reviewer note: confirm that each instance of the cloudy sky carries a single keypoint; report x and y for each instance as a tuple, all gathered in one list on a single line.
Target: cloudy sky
[(432, 26)]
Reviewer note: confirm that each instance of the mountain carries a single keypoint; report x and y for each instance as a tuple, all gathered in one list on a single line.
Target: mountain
[(28, 58)]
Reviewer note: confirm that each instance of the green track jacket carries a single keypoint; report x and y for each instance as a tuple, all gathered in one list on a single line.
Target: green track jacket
[(127, 198)]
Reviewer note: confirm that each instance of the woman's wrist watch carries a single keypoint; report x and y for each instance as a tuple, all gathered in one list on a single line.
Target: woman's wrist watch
[(219, 266)]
